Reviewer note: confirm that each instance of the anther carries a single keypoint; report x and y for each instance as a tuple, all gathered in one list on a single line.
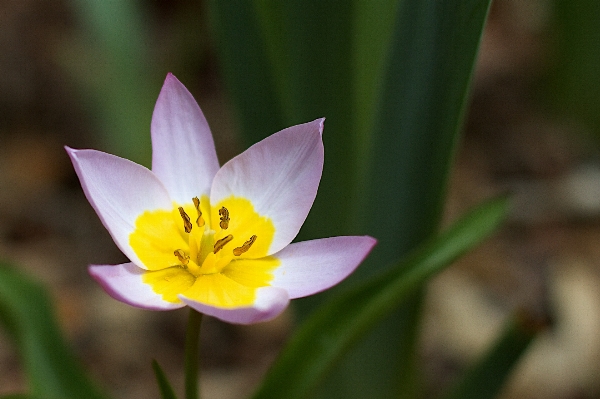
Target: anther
[(224, 213), (244, 248), (183, 258), (221, 243), (200, 220), (187, 225)]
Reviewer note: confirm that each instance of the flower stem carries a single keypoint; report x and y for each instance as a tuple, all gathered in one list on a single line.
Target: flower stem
[(192, 338)]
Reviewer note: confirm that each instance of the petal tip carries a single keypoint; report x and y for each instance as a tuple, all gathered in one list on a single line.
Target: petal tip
[(373, 241), (171, 80), (71, 152), (321, 124), (368, 243)]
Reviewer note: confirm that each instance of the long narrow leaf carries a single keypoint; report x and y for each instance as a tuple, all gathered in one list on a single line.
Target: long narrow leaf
[(485, 379), (166, 391), (51, 368), (328, 333), (246, 68), (424, 91)]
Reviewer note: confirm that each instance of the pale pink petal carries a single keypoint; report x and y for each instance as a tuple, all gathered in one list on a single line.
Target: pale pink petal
[(280, 176), (119, 190), (124, 283), (183, 151), (269, 303), (312, 266)]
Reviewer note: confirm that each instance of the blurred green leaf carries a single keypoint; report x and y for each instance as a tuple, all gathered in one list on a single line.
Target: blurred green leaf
[(419, 114), (166, 391), (51, 368), (575, 80), (246, 68), (329, 332), (419, 117), (424, 93), (111, 62), (486, 377), (374, 24)]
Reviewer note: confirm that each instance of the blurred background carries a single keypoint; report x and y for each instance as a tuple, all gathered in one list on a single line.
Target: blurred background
[(68, 77)]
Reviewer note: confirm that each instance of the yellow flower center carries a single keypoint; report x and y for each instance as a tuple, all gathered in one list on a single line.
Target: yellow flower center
[(216, 254)]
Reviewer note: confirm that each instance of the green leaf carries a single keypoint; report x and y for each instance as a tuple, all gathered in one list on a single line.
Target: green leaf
[(328, 333), (424, 90), (486, 377), (374, 24), (51, 368), (111, 61), (166, 390), (424, 93), (574, 80), (246, 68)]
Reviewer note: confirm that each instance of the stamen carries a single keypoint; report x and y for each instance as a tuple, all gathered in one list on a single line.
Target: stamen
[(183, 258), (224, 213), (244, 248), (187, 225), (200, 221), (221, 243)]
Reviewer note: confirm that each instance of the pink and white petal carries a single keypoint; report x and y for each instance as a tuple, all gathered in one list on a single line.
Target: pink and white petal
[(125, 283), (183, 151), (312, 266), (270, 302), (119, 191), (280, 175)]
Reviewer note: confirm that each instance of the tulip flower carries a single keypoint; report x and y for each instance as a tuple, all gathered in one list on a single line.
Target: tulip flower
[(217, 239)]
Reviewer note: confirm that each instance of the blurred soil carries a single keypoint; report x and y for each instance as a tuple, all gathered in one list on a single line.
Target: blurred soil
[(545, 261)]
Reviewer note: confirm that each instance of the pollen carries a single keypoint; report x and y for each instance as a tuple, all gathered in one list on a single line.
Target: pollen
[(221, 243), (224, 214), (187, 224), (244, 248)]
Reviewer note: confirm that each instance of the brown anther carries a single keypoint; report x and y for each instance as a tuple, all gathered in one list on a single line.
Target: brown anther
[(244, 248), (224, 213), (200, 220), (183, 258), (221, 243), (187, 225)]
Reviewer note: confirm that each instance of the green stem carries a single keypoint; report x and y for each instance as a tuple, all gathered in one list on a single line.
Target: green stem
[(192, 339)]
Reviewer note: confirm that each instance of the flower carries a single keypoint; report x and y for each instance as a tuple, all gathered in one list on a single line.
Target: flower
[(215, 239)]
